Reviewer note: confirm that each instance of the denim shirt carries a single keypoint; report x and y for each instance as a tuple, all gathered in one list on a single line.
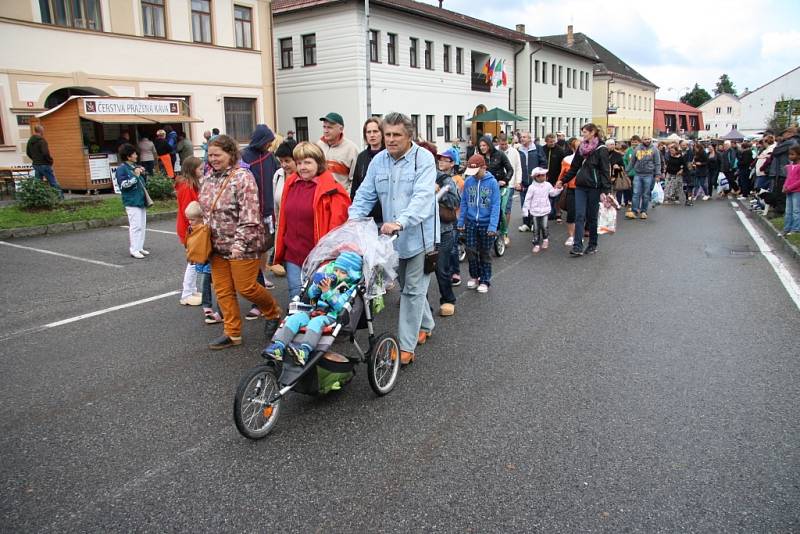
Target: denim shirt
[(406, 189)]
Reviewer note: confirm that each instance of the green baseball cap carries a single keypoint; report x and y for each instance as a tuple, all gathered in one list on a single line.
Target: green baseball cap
[(333, 117)]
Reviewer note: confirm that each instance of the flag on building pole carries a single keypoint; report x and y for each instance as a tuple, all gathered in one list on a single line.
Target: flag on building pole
[(490, 75), (499, 73)]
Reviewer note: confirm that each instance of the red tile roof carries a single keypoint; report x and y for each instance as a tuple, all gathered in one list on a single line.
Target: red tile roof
[(415, 8), (673, 105)]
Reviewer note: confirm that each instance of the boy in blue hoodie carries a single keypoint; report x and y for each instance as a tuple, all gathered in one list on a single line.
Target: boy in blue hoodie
[(480, 213)]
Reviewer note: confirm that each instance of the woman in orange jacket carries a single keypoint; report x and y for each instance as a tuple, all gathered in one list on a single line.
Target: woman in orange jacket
[(312, 204)]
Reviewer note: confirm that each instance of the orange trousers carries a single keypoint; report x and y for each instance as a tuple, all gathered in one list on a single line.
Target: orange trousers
[(239, 276)]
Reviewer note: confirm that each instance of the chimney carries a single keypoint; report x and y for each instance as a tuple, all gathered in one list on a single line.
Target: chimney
[(570, 36), (521, 28)]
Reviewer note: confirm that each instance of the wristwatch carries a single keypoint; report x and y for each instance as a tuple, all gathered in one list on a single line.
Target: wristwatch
[(398, 224)]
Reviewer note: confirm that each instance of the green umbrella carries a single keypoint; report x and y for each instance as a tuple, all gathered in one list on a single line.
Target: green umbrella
[(496, 115)]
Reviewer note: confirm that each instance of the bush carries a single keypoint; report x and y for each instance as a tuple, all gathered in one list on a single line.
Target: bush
[(160, 187), (36, 194)]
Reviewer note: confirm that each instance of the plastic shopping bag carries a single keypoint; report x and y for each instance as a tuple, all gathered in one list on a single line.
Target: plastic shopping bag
[(606, 219), (658, 194)]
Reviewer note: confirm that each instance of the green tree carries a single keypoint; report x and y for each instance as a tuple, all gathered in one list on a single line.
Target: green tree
[(696, 97), (724, 85)]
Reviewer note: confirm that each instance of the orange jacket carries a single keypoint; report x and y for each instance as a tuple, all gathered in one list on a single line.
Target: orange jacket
[(331, 202)]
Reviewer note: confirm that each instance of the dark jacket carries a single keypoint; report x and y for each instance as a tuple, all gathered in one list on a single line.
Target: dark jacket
[(162, 147), (713, 167), (498, 165), (780, 157), (590, 172), (615, 158), (551, 160), (131, 186), (676, 164), (359, 172), (451, 199), (38, 150), (263, 165), (745, 162), (701, 164), (530, 159), (728, 160)]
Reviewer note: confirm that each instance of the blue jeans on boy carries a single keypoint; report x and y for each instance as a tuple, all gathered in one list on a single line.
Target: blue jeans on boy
[(479, 244), (293, 279), (443, 274), (791, 217), (47, 171), (642, 192)]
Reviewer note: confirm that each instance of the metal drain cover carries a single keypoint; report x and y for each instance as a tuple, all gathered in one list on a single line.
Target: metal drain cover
[(728, 251)]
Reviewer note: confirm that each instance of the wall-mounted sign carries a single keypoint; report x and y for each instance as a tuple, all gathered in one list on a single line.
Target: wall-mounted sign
[(99, 167), (113, 106)]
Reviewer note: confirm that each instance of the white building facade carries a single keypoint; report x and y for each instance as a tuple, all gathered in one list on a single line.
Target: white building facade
[(555, 89), (759, 106), (721, 114), (422, 62), (215, 55)]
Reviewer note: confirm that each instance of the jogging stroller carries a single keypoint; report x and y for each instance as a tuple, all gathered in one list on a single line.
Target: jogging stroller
[(257, 404)]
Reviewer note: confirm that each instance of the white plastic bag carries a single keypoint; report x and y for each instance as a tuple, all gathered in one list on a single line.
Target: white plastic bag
[(606, 219), (658, 194)]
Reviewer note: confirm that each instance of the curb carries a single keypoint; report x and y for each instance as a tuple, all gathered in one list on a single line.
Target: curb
[(76, 226), (772, 232)]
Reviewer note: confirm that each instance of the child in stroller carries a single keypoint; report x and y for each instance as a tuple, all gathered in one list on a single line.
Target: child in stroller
[(331, 287)]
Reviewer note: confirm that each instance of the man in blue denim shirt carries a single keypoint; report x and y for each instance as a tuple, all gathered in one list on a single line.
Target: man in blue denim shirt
[(403, 179)]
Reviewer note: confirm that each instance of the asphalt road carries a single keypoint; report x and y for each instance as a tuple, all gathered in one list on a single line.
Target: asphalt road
[(650, 388)]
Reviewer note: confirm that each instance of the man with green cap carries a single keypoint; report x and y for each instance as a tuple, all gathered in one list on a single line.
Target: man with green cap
[(340, 152)]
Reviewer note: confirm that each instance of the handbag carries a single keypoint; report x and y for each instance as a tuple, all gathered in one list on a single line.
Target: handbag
[(198, 241), (623, 182), (432, 257), (447, 214)]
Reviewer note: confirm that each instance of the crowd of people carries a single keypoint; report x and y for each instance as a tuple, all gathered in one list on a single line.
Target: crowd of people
[(269, 204)]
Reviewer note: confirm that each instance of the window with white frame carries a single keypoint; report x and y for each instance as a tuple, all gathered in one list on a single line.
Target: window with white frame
[(84, 14), (243, 26), (153, 18), (201, 21)]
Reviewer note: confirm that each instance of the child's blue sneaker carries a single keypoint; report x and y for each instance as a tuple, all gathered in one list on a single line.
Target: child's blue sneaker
[(274, 352), (299, 353)]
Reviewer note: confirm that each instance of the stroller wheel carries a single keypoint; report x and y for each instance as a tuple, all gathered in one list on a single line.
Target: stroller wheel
[(384, 364), (253, 414)]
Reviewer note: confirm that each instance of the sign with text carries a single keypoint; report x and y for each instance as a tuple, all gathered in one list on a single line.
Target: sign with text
[(113, 106), (99, 167)]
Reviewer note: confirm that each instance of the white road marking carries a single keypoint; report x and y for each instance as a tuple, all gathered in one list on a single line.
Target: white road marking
[(151, 230), (77, 258), (784, 274), (88, 315)]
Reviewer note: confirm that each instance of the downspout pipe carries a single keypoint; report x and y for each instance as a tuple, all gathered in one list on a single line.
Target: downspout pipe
[(516, 86)]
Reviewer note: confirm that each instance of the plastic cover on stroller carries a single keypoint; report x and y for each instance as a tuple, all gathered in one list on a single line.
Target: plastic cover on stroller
[(360, 236)]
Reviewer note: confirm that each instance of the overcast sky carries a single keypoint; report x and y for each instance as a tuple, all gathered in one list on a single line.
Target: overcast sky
[(674, 43)]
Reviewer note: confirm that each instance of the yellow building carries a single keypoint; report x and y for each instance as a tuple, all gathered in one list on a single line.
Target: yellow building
[(213, 55)]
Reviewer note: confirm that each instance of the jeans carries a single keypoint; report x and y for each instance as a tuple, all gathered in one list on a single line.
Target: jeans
[(623, 197), (415, 312), (137, 222), (700, 185), (479, 245), (293, 279), (763, 182), (539, 229), (46, 171), (587, 205), (443, 274), (204, 281), (642, 192), (791, 217), (455, 264)]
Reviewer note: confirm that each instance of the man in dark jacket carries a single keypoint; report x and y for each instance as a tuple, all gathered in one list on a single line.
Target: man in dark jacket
[(39, 152), (263, 164), (729, 162), (777, 168)]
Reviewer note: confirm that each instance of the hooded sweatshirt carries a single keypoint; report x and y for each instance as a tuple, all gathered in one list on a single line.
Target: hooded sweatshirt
[(645, 160), (480, 202), (263, 164)]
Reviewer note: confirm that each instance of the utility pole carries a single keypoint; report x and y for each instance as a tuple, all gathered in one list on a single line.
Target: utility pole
[(369, 76)]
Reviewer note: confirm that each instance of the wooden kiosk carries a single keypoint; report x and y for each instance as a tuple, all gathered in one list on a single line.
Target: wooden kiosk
[(83, 134)]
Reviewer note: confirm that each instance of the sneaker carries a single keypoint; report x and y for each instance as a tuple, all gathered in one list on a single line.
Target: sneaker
[(268, 283), (506, 240), (447, 309), (483, 288), (643, 215), (224, 342), (472, 283), (137, 255), (274, 352), (741, 197), (145, 252), (192, 300), (569, 242), (591, 249), (455, 281), (524, 228), (558, 220), (536, 249), (253, 314), (630, 214), (706, 197), (545, 243), (576, 252), (298, 353), (212, 317), (270, 327)]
